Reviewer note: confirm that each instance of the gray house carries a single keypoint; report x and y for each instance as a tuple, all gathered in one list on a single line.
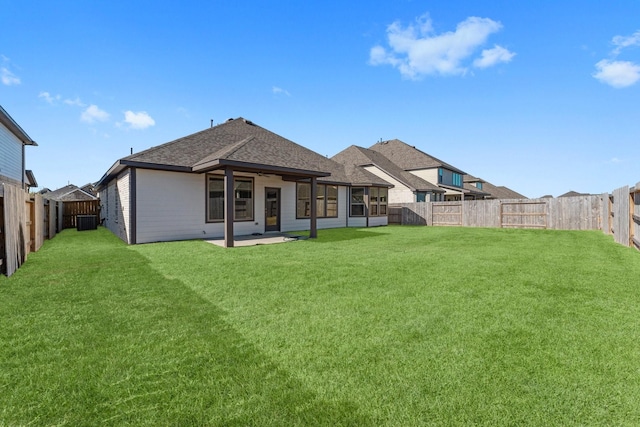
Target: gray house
[(13, 140), (235, 179)]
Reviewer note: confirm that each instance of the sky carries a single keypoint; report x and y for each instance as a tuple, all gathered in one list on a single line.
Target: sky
[(539, 96)]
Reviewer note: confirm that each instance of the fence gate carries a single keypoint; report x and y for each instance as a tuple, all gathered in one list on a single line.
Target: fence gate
[(522, 214), (72, 209)]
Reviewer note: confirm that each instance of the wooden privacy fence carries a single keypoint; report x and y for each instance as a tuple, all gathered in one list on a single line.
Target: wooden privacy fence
[(27, 220), (624, 214), (567, 213), (73, 209)]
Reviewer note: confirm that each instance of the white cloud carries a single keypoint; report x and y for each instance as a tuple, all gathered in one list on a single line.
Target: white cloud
[(491, 57), (76, 102), (615, 73), (417, 51), (626, 41), (47, 97), (279, 91), (139, 120), (618, 74), (8, 78), (94, 114)]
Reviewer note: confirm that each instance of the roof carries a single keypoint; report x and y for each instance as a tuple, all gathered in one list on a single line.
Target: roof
[(409, 157), (501, 192), (30, 178), (573, 194), (15, 128), (243, 145), (68, 193), (359, 156)]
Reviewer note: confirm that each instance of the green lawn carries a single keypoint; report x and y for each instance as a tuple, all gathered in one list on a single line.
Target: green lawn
[(394, 326)]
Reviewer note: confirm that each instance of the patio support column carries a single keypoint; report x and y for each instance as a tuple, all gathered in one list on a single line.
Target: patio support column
[(229, 203), (313, 230)]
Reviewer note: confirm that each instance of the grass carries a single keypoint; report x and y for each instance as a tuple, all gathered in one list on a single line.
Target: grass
[(387, 326)]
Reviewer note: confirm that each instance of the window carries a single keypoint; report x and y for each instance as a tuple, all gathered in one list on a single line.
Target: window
[(457, 179), (439, 175), (326, 201), (378, 201), (421, 196), (243, 196), (479, 185), (373, 201), (357, 201)]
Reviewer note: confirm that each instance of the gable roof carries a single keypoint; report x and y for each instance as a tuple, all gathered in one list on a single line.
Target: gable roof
[(69, 192), (359, 156), (572, 194), (244, 145), (408, 157)]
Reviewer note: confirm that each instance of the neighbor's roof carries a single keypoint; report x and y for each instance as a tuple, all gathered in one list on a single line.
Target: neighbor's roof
[(409, 157), (359, 156), (15, 128), (573, 194), (238, 143), (69, 192), (501, 192)]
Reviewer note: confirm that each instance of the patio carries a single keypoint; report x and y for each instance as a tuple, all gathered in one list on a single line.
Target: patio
[(259, 239)]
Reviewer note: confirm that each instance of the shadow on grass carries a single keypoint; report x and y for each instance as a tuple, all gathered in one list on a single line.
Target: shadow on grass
[(107, 339), (344, 234)]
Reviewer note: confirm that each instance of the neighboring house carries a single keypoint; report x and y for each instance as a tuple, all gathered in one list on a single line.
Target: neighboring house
[(429, 168), (573, 194), (182, 189), (13, 141), (491, 191), (407, 187), (68, 193)]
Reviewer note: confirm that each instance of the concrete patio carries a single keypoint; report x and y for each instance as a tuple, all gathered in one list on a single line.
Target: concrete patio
[(259, 239)]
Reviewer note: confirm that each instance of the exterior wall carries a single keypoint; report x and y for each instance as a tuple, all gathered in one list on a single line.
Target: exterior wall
[(430, 175), (357, 221), (115, 206), (290, 223), (10, 156), (400, 193), (376, 221)]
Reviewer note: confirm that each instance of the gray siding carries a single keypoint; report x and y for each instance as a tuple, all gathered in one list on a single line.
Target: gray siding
[(10, 155)]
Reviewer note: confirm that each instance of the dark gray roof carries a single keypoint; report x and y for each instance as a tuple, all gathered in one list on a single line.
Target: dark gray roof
[(244, 145), (409, 157), (573, 194), (501, 192), (69, 192), (359, 156)]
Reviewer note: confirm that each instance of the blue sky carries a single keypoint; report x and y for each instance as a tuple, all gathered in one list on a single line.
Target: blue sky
[(542, 97)]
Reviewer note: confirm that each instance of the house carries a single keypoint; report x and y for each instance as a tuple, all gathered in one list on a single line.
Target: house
[(182, 189), (445, 176), (13, 140), (407, 187), (573, 194), (491, 191), (68, 193)]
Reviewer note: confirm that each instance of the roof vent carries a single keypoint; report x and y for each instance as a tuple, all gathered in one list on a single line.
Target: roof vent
[(249, 122), (230, 120)]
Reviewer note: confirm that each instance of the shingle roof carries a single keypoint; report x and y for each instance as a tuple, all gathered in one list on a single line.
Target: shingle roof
[(409, 157), (359, 156), (239, 142), (501, 192), (68, 193)]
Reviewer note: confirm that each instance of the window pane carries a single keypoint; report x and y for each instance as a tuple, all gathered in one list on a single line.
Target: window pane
[(216, 199), (373, 210), (320, 201), (303, 205), (383, 195), (332, 200), (357, 210), (357, 195), (243, 199)]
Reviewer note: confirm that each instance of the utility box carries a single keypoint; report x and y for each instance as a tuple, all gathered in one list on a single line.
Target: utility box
[(86, 222)]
